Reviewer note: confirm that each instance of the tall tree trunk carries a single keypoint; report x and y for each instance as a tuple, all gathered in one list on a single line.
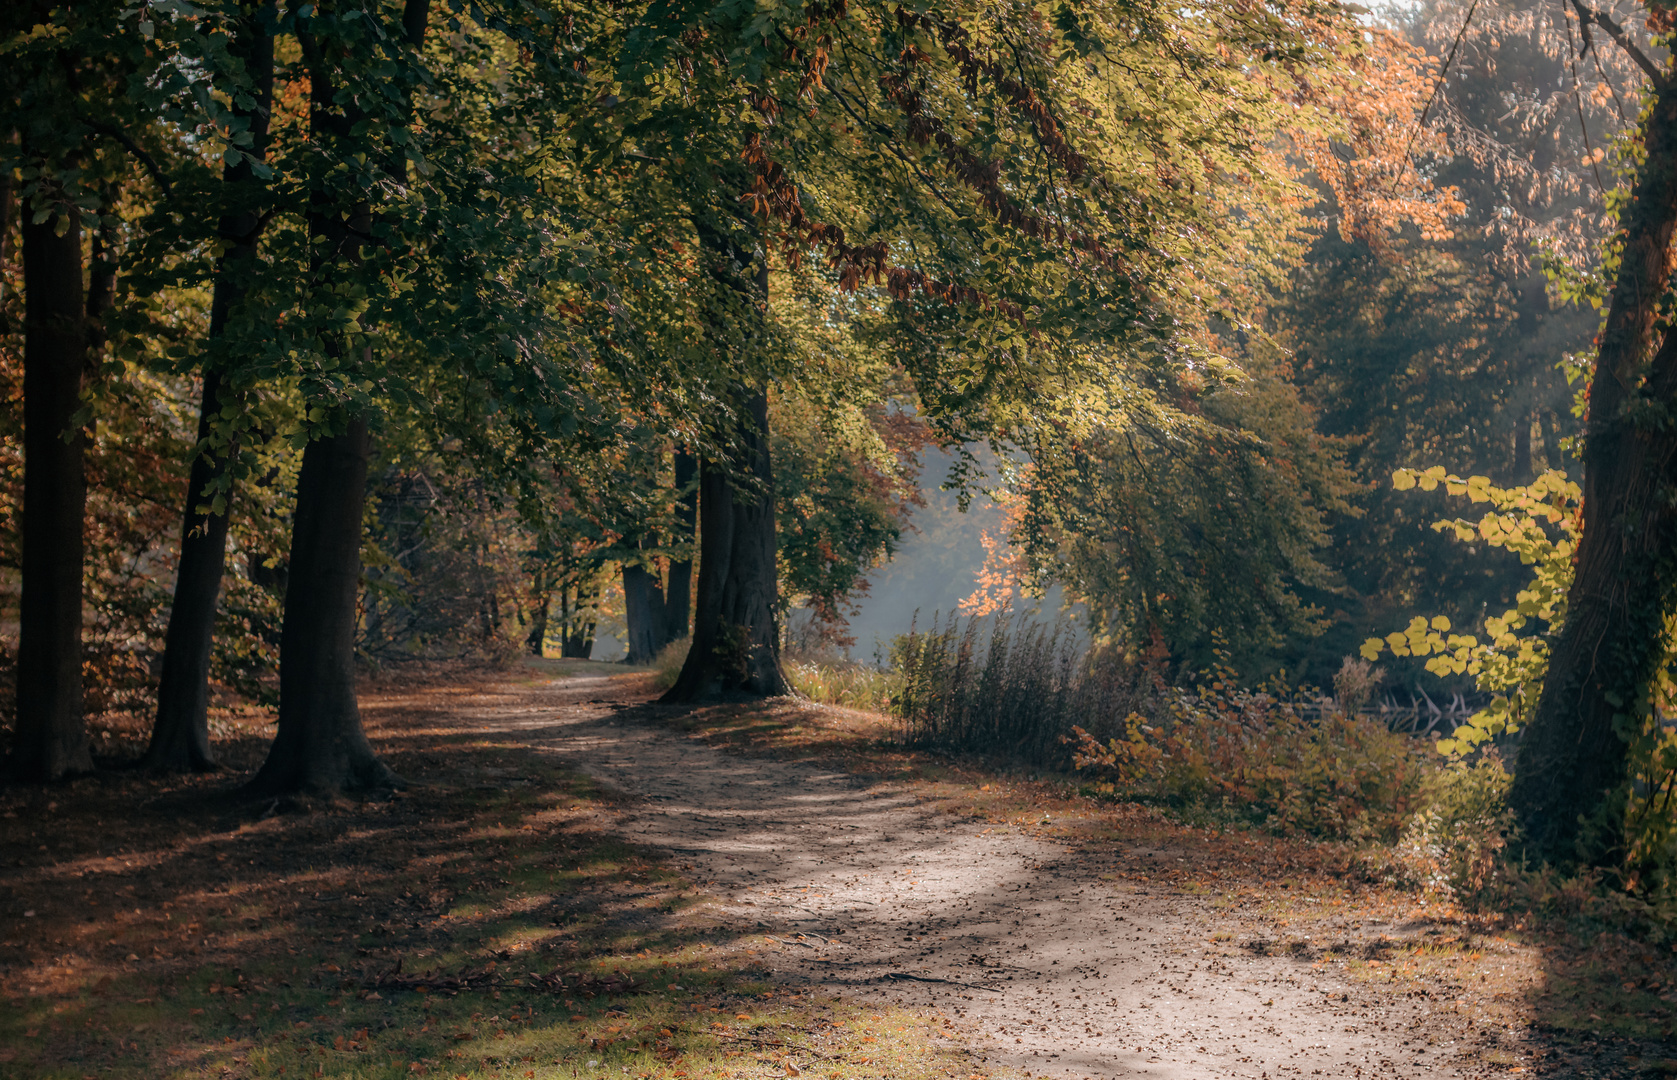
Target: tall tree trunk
[(51, 737), (1572, 758), (643, 614), (678, 593), (320, 748), (180, 736), (736, 631)]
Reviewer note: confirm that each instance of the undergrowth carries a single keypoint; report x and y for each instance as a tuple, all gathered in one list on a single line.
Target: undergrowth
[(1036, 693)]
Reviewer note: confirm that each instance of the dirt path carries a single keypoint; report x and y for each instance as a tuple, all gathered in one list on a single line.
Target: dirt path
[(1047, 966)]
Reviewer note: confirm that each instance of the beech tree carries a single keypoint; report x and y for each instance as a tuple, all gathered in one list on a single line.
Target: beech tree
[(404, 274), (88, 92), (1024, 220), (180, 734), (1571, 770)]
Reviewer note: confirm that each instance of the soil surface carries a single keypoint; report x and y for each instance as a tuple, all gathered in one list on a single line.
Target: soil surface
[(1049, 963)]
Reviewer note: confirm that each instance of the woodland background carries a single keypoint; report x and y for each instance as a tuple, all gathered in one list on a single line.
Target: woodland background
[(684, 322)]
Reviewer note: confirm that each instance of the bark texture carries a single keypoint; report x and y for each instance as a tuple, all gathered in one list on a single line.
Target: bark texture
[(51, 737), (320, 747), (180, 738), (1573, 756), (736, 628)]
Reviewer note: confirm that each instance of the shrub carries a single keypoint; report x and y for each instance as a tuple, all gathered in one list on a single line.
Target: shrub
[(1464, 829), (1334, 775)]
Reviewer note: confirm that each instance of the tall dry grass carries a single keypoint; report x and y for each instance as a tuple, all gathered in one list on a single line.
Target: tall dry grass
[(1020, 689)]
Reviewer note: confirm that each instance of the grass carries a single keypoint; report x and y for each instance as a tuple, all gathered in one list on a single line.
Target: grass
[(152, 928), (849, 685), (823, 679)]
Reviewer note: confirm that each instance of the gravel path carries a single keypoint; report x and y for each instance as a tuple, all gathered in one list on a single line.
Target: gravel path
[(1048, 967)]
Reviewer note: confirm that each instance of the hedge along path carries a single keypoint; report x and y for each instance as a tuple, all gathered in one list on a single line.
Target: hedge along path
[(1049, 959)]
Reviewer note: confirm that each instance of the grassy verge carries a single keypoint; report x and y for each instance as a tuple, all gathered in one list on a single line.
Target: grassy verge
[(484, 923)]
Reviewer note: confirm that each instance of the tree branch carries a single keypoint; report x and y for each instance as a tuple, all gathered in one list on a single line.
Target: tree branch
[(1586, 16), (134, 148)]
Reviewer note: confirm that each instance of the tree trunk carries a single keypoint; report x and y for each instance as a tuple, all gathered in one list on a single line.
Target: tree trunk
[(643, 614), (576, 638), (51, 737), (678, 593), (180, 736), (541, 599), (320, 748), (736, 632), (1571, 768)]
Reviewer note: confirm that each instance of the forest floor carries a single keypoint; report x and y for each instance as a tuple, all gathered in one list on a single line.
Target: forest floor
[(580, 882)]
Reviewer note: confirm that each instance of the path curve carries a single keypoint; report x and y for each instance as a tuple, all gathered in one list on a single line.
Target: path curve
[(1048, 968)]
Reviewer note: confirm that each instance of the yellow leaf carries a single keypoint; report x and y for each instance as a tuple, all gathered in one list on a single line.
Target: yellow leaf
[(1439, 622)]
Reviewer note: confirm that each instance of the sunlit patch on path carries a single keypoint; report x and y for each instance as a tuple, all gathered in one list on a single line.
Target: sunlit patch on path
[(1046, 961)]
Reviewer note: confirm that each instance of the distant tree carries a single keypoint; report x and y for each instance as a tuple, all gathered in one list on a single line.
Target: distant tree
[(1424, 348), (1205, 533), (657, 591)]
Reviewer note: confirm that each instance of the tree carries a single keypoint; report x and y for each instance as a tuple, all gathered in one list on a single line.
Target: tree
[(1570, 772), (1206, 533), (180, 734), (736, 623), (51, 738), (320, 747), (410, 266), (1445, 348), (970, 176), (77, 82)]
